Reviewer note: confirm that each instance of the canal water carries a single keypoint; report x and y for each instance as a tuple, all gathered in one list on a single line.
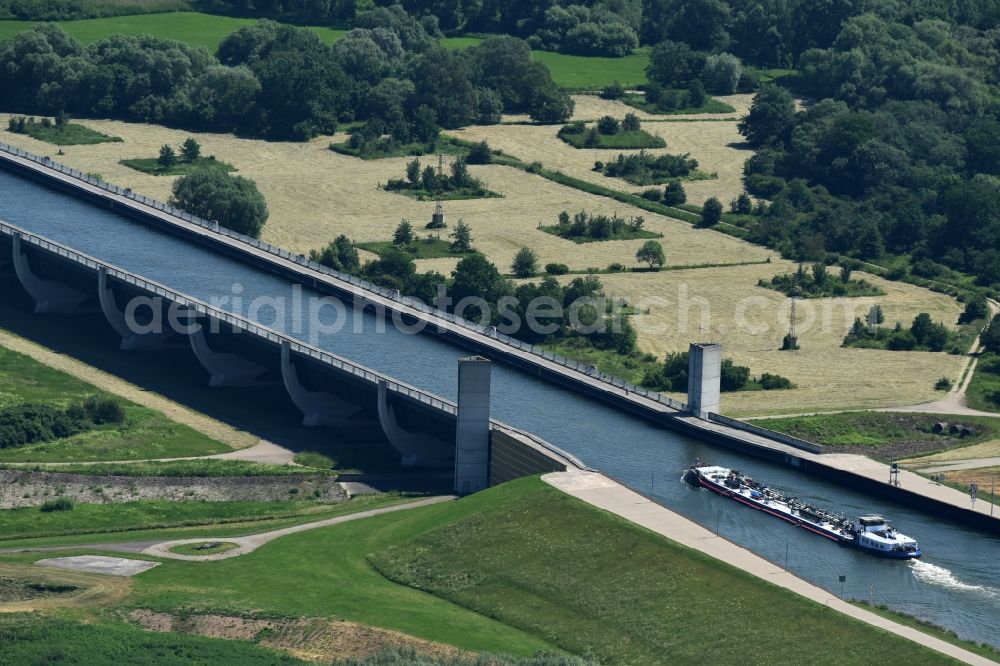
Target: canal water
[(956, 584)]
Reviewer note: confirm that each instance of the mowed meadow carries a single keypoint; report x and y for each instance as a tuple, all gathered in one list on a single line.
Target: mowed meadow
[(315, 194)]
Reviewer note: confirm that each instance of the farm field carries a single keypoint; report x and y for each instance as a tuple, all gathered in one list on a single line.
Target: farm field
[(716, 144), (827, 376), (198, 29), (313, 195)]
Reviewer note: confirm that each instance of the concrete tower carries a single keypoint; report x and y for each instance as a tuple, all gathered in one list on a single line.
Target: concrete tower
[(704, 375), (437, 219), (472, 434)]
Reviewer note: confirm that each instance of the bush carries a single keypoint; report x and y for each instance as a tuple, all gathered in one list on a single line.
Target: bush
[(652, 194), (103, 410), (770, 382), (58, 504), (943, 384), (616, 267), (556, 269), (613, 91), (480, 153)]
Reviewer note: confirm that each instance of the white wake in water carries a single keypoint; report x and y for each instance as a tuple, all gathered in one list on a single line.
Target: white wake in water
[(932, 574)]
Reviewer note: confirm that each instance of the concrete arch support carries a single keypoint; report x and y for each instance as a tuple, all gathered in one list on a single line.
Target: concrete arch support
[(50, 296), (417, 449), (116, 318), (318, 407), (225, 369)]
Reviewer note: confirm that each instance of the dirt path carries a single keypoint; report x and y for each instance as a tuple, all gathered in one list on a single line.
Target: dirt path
[(250, 543), (210, 427)]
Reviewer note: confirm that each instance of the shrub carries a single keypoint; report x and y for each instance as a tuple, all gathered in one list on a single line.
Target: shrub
[(943, 384), (652, 194), (556, 269), (613, 91), (103, 410), (480, 153), (674, 194), (58, 504), (711, 212), (525, 264), (607, 125), (770, 382), (616, 267)]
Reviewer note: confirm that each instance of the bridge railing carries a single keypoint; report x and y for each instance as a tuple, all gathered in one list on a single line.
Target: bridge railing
[(391, 294), (235, 321)]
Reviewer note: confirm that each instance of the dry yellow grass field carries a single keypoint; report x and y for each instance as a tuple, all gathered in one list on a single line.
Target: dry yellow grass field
[(716, 145), (750, 322), (315, 194), (990, 449)]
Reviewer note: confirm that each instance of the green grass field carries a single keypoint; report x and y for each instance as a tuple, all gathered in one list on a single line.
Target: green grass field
[(131, 521), (198, 29), (622, 140), (70, 134), (204, 548), (711, 105), (884, 435), (590, 582), (36, 639), (193, 28), (984, 387), (145, 434), (181, 167), (422, 248)]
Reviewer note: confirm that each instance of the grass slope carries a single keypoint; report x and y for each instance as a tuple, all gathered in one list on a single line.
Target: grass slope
[(146, 433), (35, 639), (324, 573), (590, 582)]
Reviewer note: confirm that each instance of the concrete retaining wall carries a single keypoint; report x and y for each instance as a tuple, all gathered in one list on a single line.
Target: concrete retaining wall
[(512, 458)]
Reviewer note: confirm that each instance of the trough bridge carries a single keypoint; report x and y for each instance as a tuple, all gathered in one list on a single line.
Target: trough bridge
[(577, 412)]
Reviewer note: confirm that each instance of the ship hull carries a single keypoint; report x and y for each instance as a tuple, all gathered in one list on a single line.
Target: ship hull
[(788, 518)]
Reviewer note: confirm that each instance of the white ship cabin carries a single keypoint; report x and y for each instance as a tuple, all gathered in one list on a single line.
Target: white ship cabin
[(875, 534)]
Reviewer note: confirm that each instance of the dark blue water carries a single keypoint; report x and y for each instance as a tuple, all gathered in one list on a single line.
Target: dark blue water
[(956, 584)]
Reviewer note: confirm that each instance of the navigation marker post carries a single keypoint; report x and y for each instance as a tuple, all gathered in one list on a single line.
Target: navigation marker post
[(973, 491), (842, 578)]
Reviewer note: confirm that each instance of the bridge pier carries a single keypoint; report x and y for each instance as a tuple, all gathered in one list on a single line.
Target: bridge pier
[(225, 369), (416, 448), (704, 378), (318, 408), (472, 433), (51, 297), (116, 319)]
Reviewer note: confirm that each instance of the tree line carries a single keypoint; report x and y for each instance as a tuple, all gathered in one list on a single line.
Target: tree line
[(897, 162), (282, 82)]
